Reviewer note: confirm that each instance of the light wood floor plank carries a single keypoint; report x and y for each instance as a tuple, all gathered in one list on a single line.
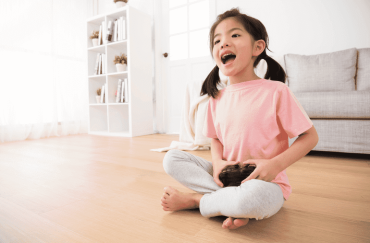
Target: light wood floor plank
[(87, 188), (20, 225)]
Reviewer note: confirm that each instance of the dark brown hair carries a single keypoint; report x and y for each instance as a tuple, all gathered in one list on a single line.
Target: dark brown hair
[(258, 31)]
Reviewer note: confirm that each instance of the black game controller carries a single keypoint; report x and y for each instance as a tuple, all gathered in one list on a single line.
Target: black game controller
[(233, 175)]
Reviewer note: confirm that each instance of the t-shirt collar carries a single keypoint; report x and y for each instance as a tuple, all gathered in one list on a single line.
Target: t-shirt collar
[(245, 84)]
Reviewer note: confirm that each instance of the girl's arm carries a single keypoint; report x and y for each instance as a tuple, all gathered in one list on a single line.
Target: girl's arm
[(301, 146), (217, 161), (216, 150), (267, 169)]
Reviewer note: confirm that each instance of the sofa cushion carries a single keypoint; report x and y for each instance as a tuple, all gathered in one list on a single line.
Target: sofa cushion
[(343, 135), (363, 69), (338, 104), (333, 71)]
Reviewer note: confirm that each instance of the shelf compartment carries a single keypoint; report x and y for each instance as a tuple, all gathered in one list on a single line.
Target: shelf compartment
[(113, 50), (95, 83), (118, 118), (92, 56), (112, 87), (98, 118), (93, 25)]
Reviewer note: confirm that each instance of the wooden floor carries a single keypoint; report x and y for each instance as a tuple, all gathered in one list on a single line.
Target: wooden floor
[(104, 189)]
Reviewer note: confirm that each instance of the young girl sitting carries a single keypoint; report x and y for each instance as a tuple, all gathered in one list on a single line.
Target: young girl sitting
[(249, 123)]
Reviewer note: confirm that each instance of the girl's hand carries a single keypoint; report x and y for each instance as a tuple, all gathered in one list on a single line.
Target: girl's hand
[(266, 170), (218, 166)]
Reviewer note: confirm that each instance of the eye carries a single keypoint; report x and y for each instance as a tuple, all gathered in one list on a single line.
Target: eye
[(235, 35), (217, 41)]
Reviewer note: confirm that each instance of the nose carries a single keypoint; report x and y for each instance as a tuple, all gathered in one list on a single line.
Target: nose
[(224, 42)]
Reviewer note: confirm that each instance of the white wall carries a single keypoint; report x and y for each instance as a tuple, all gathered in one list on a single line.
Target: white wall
[(105, 6), (309, 26)]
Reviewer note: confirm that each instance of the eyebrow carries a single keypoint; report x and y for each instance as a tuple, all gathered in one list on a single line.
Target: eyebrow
[(227, 32)]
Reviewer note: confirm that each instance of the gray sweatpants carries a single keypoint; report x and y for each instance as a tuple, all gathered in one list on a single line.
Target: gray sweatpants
[(253, 199)]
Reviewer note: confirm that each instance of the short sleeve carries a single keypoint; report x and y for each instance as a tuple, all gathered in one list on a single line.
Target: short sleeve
[(209, 126), (291, 115)]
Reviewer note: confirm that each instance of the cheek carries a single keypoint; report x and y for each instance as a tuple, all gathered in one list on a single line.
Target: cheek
[(214, 53), (246, 51)]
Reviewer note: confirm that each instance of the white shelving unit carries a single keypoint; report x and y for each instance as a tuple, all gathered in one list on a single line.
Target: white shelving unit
[(135, 116)]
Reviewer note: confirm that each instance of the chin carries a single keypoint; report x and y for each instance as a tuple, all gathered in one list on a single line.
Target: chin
[(228, 73)]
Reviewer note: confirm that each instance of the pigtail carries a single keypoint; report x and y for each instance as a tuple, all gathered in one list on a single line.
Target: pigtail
[(209, 86), (274, 70)]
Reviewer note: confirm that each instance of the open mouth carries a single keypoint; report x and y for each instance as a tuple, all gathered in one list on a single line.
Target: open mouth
[(228, 57)]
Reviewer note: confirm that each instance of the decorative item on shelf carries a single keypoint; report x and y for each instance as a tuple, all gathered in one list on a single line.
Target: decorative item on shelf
[(94, 37), (98, 92), (120, 3), (121, 62), (109, 34)]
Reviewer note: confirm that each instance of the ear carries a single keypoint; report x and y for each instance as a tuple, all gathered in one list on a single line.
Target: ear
[(258, 48)]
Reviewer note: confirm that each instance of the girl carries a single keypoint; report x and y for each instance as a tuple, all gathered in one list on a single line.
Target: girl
[(249, 123)]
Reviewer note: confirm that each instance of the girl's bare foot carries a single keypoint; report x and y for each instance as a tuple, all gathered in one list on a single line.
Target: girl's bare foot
[(173, 200), (231, 223)]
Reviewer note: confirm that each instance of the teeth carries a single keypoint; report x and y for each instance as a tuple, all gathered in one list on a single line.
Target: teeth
[(228, 54)]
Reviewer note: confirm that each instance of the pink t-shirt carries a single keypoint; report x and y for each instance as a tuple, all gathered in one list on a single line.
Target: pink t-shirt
[(253, 120)]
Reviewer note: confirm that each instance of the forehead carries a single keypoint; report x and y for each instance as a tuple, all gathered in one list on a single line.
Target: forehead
[(228, 24)]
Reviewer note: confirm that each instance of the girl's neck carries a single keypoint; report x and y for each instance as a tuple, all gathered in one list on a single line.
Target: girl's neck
[(243, 78)]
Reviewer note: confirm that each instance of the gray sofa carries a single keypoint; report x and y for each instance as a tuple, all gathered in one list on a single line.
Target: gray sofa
[(334, 90)]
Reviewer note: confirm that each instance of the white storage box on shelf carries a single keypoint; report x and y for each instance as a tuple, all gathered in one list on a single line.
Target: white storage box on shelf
[(133, 116)]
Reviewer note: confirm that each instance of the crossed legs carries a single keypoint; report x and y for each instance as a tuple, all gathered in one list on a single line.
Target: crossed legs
[(253, 199)]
